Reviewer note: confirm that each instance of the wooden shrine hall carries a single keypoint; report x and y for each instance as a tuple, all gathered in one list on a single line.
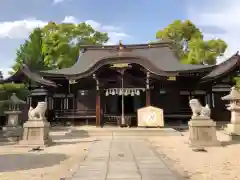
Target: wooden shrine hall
[(108, 83)]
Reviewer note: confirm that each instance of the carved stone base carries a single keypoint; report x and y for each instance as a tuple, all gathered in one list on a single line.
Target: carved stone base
[(12, 133), (202, 133), (36, 133), (233, 129)]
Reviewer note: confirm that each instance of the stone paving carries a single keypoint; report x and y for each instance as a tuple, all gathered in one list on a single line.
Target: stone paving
[(122, 159)]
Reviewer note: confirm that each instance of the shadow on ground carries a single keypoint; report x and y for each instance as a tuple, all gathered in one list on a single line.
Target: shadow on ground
[(181, 129), (60, 129), (229, 143), (59, 143), (18, 162)]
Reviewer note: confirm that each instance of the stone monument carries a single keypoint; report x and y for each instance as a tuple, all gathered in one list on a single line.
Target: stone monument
[(201, 127), (13, 130), (233, 128), (150, 117), (36, 129)]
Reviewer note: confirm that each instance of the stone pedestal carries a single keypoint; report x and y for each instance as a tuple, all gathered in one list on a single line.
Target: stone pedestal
[(12, 118), (202, 133), (233, 129), (12, 131), (36, 133)]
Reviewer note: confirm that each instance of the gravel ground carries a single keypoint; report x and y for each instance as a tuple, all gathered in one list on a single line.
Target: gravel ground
[(218, 163), (60, 160), (54, 162)]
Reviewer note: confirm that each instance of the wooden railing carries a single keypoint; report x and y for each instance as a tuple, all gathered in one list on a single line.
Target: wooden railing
[(116, 119), (75, 114), (88, 116)]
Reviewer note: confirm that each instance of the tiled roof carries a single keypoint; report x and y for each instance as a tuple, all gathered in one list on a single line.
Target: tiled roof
[(31, 75), (158, 58)]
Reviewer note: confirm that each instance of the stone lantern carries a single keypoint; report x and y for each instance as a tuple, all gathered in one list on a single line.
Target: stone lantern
[(12, 131), (233, 129)]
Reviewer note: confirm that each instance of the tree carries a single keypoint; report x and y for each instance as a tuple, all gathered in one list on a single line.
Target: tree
[(30, 52), (1, 75), (189, 44), (56, 46), (62, 42)]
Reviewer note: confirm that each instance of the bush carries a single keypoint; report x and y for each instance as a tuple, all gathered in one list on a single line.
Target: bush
[(237, 82)]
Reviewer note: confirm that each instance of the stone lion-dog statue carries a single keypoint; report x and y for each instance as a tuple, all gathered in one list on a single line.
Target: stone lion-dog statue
[(198, 110), (38, 112)]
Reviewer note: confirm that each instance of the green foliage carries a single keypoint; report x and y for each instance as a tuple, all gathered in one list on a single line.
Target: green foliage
[(30, 52), (237, 82), (189, 43), (1, 75), (56, 46), (7, 89)]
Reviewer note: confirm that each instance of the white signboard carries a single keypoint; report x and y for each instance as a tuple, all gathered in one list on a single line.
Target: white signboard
[(150, 117)]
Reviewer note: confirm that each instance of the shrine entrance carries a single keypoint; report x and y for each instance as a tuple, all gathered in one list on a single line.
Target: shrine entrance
[(128, 104), (124, 92), (113, 108)]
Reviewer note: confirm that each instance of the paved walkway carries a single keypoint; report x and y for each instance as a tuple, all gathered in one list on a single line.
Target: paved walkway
[(122, 159)]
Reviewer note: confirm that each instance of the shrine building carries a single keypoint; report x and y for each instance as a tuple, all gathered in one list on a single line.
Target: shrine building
[(108, 82)]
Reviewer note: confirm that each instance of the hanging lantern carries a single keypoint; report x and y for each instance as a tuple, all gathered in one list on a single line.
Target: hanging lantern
[(120, 92), (132, 92), (107, 93), (126, 92), (117, 91), (113, 92), (135, 91), (138, 93)]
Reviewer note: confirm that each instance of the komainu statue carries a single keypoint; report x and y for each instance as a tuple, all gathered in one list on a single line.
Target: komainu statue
[(198, 110), (37, 113)]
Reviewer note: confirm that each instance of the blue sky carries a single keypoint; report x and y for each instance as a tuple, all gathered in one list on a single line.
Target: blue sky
[(133, 21)]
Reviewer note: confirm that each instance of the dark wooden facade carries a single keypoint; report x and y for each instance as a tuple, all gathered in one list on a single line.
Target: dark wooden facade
[(78, 94)]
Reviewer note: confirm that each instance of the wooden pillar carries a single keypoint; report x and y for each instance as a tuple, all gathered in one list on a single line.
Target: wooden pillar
[(148, 102), (148, 96), (29, 96), (209, 98), (98, 102), (98, 108)]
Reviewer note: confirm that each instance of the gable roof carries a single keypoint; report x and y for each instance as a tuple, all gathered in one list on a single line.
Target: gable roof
[(24, 70), (158, 58), (224, 68)]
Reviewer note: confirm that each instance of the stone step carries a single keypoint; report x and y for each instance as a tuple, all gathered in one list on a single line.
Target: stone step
[(123, 132)]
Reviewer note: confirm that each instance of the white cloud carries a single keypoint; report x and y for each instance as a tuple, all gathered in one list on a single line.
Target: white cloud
[(57, 1), (5, 72), (225, 16), (101, 27), (70, 19), (19, 29), (115, 33)]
